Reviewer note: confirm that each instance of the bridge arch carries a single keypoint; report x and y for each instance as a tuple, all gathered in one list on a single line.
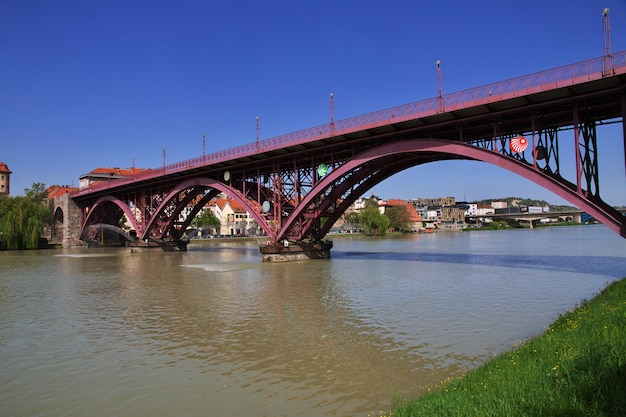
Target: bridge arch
[(196, 186), (405, 154), (109, 209), (58, 220)]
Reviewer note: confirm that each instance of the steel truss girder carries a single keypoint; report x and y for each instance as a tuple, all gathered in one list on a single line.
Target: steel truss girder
[(586, 157), (546, 153), (305, 204), (301, 197), (423, 151), (544, 149), (163, 221), (282, 170)]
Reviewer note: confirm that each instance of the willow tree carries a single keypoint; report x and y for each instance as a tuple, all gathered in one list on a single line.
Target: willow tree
[(22, 221), (373, 221)]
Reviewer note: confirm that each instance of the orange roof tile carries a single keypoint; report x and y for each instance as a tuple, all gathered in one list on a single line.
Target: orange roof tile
[(234, 204), (118, 171), (58, 190), (413, 214)]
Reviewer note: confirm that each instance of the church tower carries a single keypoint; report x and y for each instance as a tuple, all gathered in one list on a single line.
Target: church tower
[(5, 180)]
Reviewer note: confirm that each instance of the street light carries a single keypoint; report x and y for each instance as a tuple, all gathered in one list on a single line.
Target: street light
[(257, 135), (440, 79), (606, 31), (332, 114)]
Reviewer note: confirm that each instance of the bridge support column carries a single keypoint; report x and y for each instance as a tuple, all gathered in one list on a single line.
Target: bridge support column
[(299, 251), (66, 224), (158, 246)]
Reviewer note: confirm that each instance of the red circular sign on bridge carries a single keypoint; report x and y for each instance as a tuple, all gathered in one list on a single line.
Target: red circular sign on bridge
[(519, 144)]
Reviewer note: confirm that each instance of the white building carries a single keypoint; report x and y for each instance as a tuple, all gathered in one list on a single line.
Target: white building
[(472, 209), (234, 220)]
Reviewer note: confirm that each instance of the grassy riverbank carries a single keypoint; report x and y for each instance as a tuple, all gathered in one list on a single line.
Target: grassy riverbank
[(576, 368)]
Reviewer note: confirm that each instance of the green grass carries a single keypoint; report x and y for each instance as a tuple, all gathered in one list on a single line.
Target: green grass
[(576, 368)]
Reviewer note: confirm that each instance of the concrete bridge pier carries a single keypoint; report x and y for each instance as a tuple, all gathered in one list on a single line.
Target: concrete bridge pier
[(158, 246), (287, 251)]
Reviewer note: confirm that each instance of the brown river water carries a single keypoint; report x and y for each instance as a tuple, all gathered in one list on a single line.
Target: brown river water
[(214, 331)]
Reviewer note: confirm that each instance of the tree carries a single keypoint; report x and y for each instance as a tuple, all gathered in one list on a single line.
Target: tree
[(352, 217), (373, 221), (399, 218), (38, 192), (21, 222), (206, 219)]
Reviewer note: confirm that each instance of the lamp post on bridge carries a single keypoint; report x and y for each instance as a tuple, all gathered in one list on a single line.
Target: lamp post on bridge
[(608, 67), (440, 80), (332, 114), (258, 149), (606, 31)]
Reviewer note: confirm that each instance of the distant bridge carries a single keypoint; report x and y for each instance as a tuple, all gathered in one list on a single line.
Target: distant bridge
[(297, 185), (577, 215)]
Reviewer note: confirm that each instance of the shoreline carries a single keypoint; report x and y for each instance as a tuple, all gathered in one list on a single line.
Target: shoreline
[(576, 367)]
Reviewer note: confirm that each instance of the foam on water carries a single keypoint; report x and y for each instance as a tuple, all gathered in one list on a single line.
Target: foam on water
[(219, 267)]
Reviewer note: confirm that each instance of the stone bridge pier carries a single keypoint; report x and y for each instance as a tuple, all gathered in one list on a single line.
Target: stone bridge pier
[(67, 219)]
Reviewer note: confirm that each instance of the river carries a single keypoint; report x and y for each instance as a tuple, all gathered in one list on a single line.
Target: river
[(214, 331)]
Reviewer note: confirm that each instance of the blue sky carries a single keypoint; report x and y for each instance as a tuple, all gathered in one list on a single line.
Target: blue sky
[(88, 84)]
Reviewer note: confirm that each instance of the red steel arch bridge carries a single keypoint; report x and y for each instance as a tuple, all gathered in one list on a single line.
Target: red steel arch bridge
[(297, 185)]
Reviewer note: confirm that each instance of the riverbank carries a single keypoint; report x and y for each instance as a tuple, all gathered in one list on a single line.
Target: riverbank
[(577, 367)]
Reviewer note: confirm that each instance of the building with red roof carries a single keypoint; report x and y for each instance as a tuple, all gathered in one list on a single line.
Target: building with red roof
[(106, 174), (5, 179), (234, 219), (55, 191), (415, 220)]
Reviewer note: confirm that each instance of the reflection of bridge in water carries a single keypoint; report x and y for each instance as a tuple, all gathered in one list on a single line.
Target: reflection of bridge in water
[(298, 185), (95, 233)]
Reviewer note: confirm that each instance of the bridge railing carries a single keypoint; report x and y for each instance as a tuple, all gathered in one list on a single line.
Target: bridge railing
[(540, 81)]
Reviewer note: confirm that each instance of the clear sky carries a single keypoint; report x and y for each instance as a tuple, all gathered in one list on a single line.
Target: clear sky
[(87, 84)]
